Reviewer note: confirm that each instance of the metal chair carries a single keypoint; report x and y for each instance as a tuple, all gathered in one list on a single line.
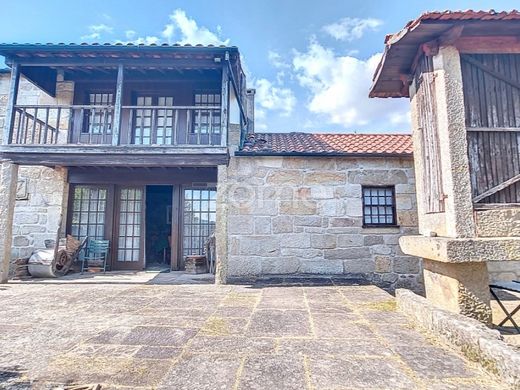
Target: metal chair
[(96, 251), (513, 286)]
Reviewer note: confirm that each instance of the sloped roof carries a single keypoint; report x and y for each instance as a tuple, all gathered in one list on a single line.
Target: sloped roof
[(327, 144), (402, 47)]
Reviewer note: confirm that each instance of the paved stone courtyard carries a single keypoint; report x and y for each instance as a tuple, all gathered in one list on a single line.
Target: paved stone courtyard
[(150, 331)]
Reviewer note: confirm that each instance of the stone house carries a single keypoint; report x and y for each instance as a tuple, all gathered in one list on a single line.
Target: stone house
[(153, 148)]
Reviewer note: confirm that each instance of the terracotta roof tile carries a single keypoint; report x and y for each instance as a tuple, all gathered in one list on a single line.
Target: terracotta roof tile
[(328, 144)]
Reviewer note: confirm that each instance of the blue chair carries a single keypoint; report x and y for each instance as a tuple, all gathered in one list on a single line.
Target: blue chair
[(96, 252)]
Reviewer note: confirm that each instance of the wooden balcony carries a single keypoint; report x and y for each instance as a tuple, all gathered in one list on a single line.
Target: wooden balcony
[(76, 135), (183, 126)]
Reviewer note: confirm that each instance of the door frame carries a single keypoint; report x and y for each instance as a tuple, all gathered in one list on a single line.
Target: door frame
[(130, 265)]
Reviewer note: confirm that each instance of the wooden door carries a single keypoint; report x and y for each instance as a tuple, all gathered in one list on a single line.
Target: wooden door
[(129, 228)]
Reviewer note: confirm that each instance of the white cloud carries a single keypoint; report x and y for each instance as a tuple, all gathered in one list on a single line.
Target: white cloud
[(130, 34), (338, 88), (348, 29), (274, 98), (190, 31), (97, 30), (276, 60)]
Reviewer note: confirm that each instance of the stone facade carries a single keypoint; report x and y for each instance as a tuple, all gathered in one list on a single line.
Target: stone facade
[(42, 192), (303, 215)]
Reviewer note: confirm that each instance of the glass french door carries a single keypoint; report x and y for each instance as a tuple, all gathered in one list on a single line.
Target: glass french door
[(154, 126), (129, 232), (89, 212)]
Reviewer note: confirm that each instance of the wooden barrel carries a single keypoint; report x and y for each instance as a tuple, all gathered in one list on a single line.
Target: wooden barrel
[(43, 263)]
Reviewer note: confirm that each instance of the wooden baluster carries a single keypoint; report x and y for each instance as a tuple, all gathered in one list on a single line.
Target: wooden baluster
[(81, 124), (26, 128), (19, 132), (58, 117), (199, 130), (19, 126), (105, 125), (188, 126), (35, 118), (175, 130), (130, 134), (153, 134), (46, 128), (210, 129)]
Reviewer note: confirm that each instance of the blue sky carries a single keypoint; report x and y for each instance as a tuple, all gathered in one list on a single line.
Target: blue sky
[(310, 61)]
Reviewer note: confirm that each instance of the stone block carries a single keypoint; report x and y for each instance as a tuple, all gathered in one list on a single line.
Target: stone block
[(323, 241), (383, 264), (322, 192), (354, 207), (260, 245), (348, 253), (372, 240), (306, 253), (23, 218), (407, 265), (325, 178), (284, 177), (244, 266), (20, 241), (240, 224), (280, 265), (345, 222), (381, 249), (377, 177), (407, 217), (328, 267), (282, 224), (295, 240), (262, 225), (298, 207), (314, 221), (363, 266), (350, 240), (332, 208)]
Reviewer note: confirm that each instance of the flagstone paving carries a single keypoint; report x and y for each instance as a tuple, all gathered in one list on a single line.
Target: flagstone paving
[(308, 334)]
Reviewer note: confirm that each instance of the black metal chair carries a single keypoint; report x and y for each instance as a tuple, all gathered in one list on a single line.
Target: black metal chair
[(513, 286)]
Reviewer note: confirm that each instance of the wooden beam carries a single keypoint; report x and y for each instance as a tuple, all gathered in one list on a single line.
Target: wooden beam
[(116, 128), (10, 111), (114, 62), (451, 36), (224, 100), (497, 188), (495, 129), (488, 44)]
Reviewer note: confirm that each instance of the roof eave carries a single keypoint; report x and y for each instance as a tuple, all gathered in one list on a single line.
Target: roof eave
[(320, 154)]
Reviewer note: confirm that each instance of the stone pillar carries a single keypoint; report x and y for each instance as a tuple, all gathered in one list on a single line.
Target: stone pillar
[(457, 283), (453, 143), (8, 182), (221, 229), (459, 287)]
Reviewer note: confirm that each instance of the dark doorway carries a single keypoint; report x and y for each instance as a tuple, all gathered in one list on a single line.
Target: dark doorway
[(159, 200)]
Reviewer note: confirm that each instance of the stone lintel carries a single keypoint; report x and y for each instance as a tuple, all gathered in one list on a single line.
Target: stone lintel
[(462, 250)]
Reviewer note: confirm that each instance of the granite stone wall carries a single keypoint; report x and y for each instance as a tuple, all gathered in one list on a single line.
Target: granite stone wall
[(303, 215)]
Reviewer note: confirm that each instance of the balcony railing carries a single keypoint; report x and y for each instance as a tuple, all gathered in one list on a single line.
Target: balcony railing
[(94, 125)]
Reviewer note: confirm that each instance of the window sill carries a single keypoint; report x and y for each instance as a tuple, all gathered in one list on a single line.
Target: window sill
[(379, 226)]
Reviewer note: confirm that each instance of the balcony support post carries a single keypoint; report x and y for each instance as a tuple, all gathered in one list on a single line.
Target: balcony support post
[(224, 101), (8, 182), (117, 106), (13, 95)]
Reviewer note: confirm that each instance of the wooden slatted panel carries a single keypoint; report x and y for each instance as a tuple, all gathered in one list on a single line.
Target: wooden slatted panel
[(432, 182), (491, 85)]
